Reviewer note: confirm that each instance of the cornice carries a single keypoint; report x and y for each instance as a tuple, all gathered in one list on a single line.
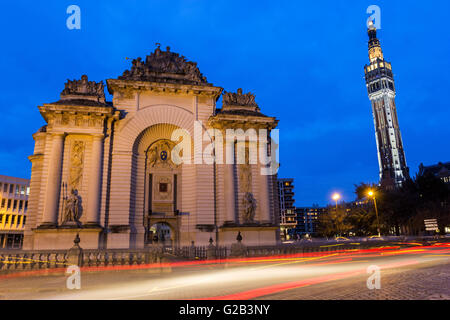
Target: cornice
[(164, 88)]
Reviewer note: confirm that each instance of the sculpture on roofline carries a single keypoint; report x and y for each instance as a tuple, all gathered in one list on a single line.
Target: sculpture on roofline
[(239, 99), (83, 87)]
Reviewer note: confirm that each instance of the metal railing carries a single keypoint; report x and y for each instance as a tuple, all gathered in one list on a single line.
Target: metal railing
[(22, 260)]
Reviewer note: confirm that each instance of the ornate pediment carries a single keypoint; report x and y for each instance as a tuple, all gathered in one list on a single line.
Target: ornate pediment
[(239, 99), (165, 66), (83, 90)]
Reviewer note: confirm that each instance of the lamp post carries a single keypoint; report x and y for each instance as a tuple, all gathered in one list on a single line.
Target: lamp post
[(336, 197), (372, 194)]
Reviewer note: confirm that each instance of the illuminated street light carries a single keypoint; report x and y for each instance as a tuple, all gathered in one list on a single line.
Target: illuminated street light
[(372, 194), (336, 196)]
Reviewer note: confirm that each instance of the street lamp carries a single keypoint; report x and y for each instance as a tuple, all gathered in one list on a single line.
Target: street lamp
[(372, 194), (336, 196)]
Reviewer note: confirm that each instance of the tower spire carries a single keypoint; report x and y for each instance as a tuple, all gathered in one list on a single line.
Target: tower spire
[(375, 51), (381, 91)]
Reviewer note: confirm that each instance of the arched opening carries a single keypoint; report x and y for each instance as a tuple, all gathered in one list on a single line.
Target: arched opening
[(160, 181), (161, 232)]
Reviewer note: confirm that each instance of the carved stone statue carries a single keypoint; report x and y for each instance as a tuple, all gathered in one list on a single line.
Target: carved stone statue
[(164, 66), (71, 208), (83, 88), (239, 99), (249, 203)]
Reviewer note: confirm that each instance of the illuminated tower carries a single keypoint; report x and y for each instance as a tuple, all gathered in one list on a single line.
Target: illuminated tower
[(381, 90)]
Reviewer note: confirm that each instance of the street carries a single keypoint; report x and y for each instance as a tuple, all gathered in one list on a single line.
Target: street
[(413, 272)]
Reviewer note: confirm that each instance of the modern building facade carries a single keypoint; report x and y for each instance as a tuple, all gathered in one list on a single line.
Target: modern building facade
[(13, 211), (307, 219), (440, 170), (287, 208), (381, 89), (114, 172)]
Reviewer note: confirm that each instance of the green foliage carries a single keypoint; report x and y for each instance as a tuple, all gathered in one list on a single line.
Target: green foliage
[(334, 222), (401, 210)]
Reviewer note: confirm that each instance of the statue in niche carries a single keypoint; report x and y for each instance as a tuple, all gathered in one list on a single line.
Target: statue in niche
[(249, 203), (72, 210)]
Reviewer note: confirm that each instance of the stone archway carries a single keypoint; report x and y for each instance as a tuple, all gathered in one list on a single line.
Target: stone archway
[(129, 186), (165, 230)]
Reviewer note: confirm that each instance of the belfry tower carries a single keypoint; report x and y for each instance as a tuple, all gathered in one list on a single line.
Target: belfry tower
[(381, 90)]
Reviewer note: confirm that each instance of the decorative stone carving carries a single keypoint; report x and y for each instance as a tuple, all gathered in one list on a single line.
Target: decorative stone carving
[(81, 89), (159, 154), (163, 194), (76, 164), (245, 173), (245, 177), (249, 204), (165, 66), (239, 99), (72, 210)]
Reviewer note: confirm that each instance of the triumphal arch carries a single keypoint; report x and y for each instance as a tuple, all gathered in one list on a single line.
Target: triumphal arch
[(160, 162)]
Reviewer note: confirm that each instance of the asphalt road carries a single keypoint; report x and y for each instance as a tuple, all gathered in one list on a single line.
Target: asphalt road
[(415, 272)]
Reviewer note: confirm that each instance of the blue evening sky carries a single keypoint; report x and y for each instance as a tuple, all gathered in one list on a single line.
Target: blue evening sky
[(302, 59)]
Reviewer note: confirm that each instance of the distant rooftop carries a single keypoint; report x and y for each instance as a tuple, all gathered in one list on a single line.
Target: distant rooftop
[(8, 179)]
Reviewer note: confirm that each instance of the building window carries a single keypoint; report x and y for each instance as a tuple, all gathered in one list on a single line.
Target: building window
[(22, 190), (3, 203), (11, 188), (9, 204), (5, 187), (28, 191)]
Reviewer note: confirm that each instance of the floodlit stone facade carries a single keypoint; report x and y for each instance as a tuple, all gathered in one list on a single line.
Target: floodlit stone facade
[(106, 170)]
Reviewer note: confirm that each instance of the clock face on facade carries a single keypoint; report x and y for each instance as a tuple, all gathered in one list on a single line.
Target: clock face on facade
[(163, 155)]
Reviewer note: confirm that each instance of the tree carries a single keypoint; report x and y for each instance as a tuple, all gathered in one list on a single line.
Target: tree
[(333, 222)]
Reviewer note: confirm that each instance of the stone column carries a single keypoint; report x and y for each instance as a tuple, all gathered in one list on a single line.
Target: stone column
[(264, 201), (95, 175), (229, 193), (50, 215)]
